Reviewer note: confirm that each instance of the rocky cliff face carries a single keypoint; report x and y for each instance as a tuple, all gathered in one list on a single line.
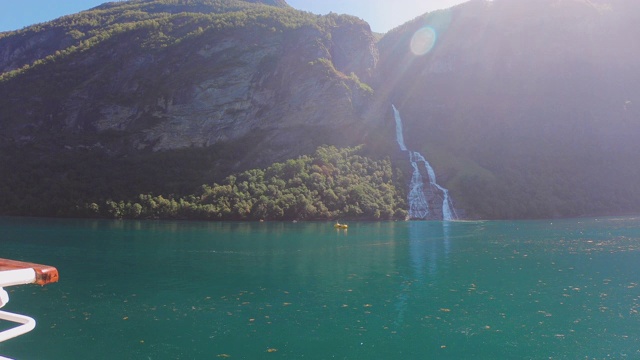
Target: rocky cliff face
[(526, 107), (214, 84)]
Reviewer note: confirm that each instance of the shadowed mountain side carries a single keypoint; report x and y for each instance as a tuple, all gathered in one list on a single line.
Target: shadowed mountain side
[(525, 109), (141, 79)]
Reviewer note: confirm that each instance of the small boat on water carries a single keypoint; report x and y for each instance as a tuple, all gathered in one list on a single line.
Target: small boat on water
[(341, 226)]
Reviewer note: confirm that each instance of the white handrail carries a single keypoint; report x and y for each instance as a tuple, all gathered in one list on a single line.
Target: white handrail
[(28, 324), (9, 278), (12, 273), (17, 277)]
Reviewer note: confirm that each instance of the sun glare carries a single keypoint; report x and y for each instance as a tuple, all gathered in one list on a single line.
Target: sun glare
[(423, 40)]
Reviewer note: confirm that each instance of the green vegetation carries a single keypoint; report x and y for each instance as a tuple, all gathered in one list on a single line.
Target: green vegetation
[(90, 61), (509, 140), (161, 23), (331, 184)]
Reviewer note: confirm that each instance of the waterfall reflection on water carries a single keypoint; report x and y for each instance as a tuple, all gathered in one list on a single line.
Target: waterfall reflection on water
[(429, 250)]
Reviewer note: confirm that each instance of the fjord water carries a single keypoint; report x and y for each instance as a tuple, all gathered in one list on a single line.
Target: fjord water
[(562, 289)]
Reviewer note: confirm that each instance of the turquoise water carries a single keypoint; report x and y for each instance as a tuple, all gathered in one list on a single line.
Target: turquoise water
[(563, 289)]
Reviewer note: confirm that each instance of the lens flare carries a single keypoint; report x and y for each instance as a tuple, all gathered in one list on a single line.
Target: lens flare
[(423, 40)]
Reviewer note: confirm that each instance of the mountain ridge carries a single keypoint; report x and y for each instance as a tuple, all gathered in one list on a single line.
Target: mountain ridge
[(521, 117)]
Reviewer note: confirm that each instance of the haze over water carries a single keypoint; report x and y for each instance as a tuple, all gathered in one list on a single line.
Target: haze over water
[(381, 290)]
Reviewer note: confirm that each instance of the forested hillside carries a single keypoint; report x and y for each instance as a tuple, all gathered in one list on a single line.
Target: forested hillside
[(331, 184), (525, 109), (160, 96)]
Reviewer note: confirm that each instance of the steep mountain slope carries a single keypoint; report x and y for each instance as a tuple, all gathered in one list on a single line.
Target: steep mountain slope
[(169, 79), (526, 108), (236, 83)]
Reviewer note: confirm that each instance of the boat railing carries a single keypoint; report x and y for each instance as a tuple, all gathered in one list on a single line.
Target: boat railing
[(13, 273)]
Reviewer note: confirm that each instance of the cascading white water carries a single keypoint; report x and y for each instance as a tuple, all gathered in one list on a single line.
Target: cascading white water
[(399, 135), (447, 210), (418, 203)]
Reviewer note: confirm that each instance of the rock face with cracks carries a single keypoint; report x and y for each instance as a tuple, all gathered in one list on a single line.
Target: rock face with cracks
[(212, 85)]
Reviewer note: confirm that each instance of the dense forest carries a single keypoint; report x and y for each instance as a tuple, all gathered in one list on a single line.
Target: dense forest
[(331, 184)]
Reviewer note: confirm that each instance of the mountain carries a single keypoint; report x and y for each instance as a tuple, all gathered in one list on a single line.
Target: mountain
[(166, 76), (525, 109), (111, 94)]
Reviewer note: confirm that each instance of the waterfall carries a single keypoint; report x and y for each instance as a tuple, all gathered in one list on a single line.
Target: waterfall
[(399, 136), (418, 204), (447, 210), (418, 197)]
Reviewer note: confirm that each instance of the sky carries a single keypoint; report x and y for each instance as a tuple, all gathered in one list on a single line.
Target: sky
[(382, 15)]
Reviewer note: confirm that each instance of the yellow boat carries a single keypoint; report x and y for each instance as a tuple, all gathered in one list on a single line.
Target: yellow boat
[(341, 226)]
